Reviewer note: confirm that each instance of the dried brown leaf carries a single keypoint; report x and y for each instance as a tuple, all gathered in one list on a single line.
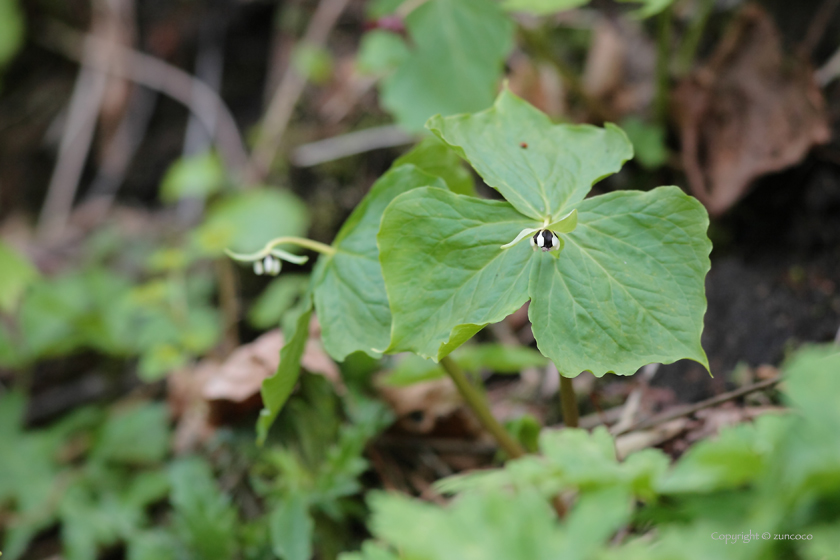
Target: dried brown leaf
[(751, 110)]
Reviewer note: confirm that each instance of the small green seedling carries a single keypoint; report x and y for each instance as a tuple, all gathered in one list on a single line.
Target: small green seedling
[(618, 282)]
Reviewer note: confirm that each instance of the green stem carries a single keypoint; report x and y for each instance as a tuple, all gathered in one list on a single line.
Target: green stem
[(688, 49), (476, 401), (663, 58), (568, 400)]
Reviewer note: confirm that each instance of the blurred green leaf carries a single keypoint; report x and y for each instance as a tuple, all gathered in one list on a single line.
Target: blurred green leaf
[(268, 310), (11, 30), (196, 176), (436, 158), (542, 7), (204, 520), (244, 222), (313, 62), (28, 475), (291, 529), (459, 48), (380, 52), (137, 436), (526, 430), (735, 457), (649, 8), (18, 273), (155, 544), (648, 142)]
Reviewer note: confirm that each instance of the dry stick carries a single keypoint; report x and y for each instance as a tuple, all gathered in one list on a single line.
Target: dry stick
[(568, 402), (289, 91), (361, 141), (816, 29), (82, 115), (478, 404), (160, 76), (691, 409)]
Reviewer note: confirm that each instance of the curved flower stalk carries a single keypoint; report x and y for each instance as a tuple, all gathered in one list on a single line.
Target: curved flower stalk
[(268, 260)]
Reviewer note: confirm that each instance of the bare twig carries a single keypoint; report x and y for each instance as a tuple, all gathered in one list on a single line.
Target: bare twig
[(681, 411), (82, 114), (160, 76), (118, 155), (358, 142), (634, 401), (289, 91), (816, 29)]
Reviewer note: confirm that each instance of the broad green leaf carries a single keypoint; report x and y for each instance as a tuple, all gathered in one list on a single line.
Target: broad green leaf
[(277, 388), (380, 52), (434, 157), (17, 274), (548, 177), (542, 7), (291, 529), (628, 289), (245, 222), (649, 7), (204, 520), (196, 176), (459, 48), (444, 271), (348, 286)]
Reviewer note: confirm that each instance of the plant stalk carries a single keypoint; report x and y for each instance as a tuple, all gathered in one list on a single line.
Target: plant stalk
[(568, 401), (476, 401), (691, 41)]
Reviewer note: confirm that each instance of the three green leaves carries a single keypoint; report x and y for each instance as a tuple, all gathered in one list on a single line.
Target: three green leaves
[(420, 268)]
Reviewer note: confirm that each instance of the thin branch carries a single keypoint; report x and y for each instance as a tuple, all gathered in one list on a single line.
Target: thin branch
[(359, 142), (687, 410), (160, 76), (288, 93), (476, 401), (82, 115), (634, 401), (817, 27)]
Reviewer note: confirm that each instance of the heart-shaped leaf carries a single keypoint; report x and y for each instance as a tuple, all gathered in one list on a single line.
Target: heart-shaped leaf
[(349, 290), (540, 168), (624, 288)]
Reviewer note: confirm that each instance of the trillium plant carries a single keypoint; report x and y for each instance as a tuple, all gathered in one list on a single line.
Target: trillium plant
[(615, 281)]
